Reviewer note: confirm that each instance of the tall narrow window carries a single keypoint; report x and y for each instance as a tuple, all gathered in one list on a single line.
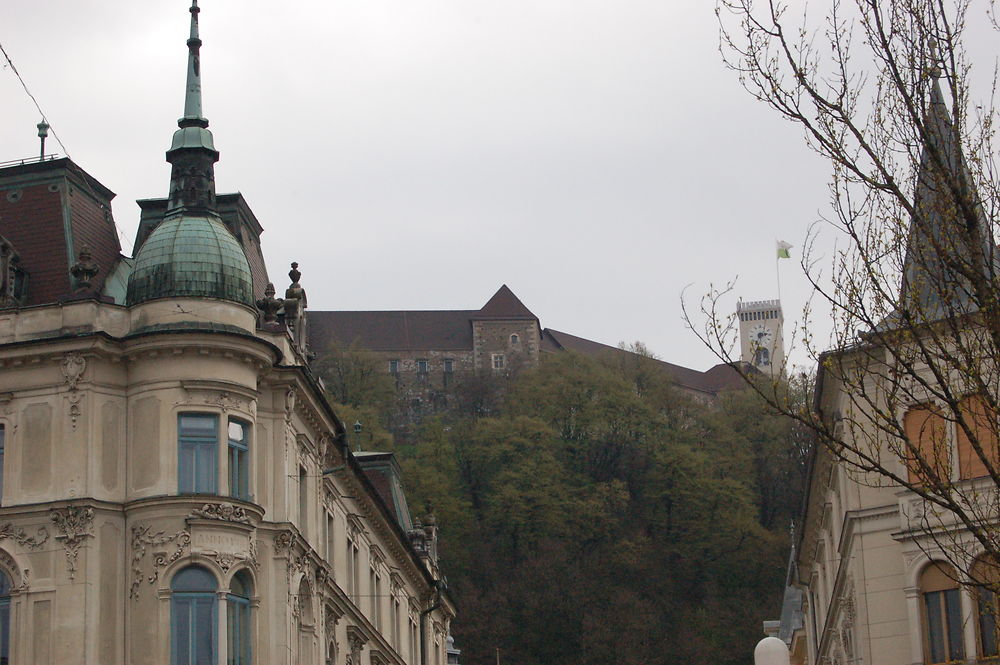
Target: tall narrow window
[(422, 366), (197, 449), (239, 460), (238, 619), (449, 365), (927, 433), (986, 578), (942, 615), (394, 367), (3, 441), (514, 339), (395, 623), (303, 499), (193, 618), (4, 618), (330, 530), (982, 421)]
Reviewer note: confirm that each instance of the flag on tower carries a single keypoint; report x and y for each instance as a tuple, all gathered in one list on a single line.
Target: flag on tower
[(783, 248)]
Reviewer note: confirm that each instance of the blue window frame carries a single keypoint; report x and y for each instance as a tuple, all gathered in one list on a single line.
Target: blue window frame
[(193, 618), (239, 460), (238, 619), (197, 451)]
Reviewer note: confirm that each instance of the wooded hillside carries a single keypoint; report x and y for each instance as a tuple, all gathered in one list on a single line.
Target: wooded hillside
[(592, 514)]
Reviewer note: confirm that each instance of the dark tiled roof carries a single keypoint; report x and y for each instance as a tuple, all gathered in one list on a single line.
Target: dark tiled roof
[(720, 377), (505, 305), (49, 211), (392, 331)]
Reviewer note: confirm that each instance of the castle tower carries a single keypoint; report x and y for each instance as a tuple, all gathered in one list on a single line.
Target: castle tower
[(762, 342)]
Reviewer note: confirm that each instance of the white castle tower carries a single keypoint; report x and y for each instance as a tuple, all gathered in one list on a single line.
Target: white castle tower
[(762, 342)]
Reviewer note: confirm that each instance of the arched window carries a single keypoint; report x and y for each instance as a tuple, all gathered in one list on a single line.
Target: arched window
[(4, 618), (238, 619), (986, 581), (514, 339), (193, 617), (331, 652), (942, 614)]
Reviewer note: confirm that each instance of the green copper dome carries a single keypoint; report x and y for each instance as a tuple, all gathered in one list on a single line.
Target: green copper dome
[(191, 256)]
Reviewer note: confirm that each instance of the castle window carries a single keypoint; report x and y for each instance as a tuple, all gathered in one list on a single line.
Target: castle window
[(982, 421), (197, 451), (449, 365), (499, 361), (238, 619), (239, 460), (193, 617), (394, 367), (928, 456), (514, 339), (942, 616), (422, 366)]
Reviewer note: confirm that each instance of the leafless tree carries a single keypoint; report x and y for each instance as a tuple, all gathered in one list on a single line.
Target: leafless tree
[(881, 89)]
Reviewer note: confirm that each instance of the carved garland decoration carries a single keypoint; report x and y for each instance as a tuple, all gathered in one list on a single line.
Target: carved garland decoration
[(73, 365), (225, 512), (141, 539), (19, 536), (73, 526)]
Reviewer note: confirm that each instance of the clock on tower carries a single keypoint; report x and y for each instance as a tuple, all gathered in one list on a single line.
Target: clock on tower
[(761, 338)]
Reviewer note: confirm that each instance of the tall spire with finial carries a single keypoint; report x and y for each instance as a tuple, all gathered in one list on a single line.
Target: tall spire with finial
[(192, 153)]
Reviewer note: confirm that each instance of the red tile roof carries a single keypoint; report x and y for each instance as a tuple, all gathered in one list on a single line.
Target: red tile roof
[(718, 378), (505, 305), (392, 331)]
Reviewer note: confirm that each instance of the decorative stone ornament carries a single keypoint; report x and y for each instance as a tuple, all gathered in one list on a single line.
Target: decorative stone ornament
[(225, 512), (143, 539), (9, 532), (72, 528), (269, 305), (84, 270), (73, 367)]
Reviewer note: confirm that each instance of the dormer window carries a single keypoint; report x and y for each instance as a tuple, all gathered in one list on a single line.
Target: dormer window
[(13, 279)]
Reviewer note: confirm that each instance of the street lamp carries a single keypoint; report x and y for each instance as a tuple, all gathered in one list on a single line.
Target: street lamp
[(357, 435), (771, 651)]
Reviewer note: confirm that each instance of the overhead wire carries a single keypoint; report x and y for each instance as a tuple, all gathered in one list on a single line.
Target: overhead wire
[(10, 62)]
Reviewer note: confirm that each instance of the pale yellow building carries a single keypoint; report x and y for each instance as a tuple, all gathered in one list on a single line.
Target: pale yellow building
[(885, 576), (176, 488)]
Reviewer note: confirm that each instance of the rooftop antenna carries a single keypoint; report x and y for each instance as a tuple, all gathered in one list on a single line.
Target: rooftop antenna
[(43, 132)]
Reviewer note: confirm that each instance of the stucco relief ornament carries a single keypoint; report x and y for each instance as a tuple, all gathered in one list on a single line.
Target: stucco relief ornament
[(73, 365), (141, 540), (225, 512), (8, 563), (224, 401), (283, 541), (73, 528), (356, 641), (19, 536)]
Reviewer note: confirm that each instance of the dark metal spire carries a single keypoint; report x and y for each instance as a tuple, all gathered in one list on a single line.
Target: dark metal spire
[(192, 152)]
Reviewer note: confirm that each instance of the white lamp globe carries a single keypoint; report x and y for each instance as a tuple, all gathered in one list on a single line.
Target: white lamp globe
[(771, 651)]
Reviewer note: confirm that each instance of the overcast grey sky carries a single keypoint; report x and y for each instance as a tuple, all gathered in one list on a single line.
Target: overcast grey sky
[(594, 155)]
